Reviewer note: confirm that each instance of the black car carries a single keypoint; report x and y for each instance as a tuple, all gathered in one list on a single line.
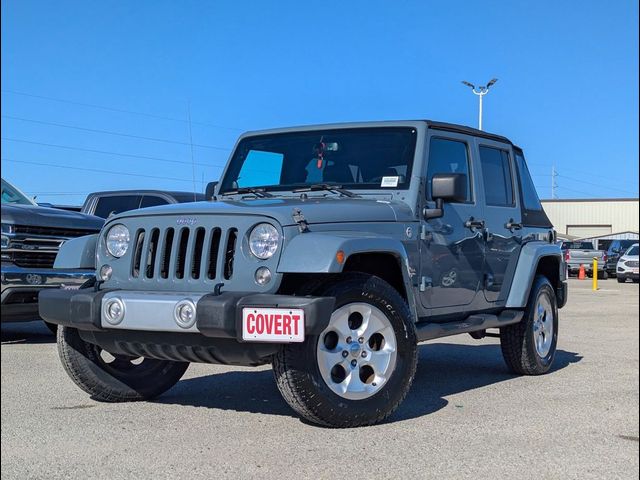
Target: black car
[(105, 204)]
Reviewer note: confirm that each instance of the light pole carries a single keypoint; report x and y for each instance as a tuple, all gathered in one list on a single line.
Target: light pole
[(480, 92)]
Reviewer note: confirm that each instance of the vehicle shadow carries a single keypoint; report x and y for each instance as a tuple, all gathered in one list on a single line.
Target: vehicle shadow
[(443, 370), (26, 332)]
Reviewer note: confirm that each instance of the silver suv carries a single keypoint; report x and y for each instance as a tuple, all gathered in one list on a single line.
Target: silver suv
[(330, 252)]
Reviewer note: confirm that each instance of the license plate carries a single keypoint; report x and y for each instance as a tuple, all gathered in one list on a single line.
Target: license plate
[(273, 325)]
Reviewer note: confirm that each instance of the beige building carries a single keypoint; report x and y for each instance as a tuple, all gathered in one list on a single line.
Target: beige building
[(594, 218)]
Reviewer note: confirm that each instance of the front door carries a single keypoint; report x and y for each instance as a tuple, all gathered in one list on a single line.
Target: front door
[(452, 254), (502, 217)]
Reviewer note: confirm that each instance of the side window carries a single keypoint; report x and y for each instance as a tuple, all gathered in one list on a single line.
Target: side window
[(110, 205), (152, 201), (448, 156), (497, 177), (260, 168), (529, 195)]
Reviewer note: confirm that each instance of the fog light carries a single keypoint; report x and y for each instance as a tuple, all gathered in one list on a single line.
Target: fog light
[(105, 272), (185, 314), (263, 276), (114, 311)]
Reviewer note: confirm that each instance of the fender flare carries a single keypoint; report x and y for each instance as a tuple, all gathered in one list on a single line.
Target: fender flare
[(315, 252), (78, 252), (528, 261)]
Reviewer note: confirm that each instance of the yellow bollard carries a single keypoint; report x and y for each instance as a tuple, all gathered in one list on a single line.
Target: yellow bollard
[(595, 273)]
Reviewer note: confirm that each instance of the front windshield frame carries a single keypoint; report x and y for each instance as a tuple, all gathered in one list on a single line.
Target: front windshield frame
[(408, 157), (630, 251), (21, 198)]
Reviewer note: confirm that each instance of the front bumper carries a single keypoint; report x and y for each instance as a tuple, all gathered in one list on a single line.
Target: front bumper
[(217, 316), (20, 287)]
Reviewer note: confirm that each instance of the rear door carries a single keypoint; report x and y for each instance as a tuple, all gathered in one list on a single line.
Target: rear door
[(502, 218)]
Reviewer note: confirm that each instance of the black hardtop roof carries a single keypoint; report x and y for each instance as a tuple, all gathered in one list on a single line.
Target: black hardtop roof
[(454, 127)]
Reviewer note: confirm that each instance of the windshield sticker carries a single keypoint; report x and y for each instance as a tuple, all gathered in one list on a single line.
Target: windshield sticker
[(389, 182)]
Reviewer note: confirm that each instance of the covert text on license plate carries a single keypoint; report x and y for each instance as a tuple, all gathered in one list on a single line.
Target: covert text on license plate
[(272, 324)]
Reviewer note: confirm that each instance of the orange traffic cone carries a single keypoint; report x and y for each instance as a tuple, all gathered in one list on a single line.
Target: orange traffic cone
[(581, 273)]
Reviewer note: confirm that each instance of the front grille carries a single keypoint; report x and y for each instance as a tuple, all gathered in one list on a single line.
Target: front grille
[(37, 247), (183, 253), (631, 263)]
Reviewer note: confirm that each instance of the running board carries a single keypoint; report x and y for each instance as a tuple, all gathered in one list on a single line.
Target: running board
[(473, 323)]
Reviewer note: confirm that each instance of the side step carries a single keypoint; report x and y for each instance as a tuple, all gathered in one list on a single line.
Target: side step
[(473, 323)]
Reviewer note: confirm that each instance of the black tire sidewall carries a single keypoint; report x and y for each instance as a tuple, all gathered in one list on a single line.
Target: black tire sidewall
[(376, 292), (541, 287)]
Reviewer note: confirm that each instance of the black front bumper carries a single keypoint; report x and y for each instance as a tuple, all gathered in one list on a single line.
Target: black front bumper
[(218, 316)]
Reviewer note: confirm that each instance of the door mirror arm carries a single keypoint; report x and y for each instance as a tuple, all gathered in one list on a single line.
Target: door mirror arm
[(429, 213)]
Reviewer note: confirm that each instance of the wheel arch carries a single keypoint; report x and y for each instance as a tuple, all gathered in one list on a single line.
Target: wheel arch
[(536, 258)]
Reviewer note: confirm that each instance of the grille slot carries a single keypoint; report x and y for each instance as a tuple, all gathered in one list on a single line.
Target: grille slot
[(196, 260), (214, 247), (137, 254), (152, 253), (230, 253), (166, 253), (631, 263), (182, 253)]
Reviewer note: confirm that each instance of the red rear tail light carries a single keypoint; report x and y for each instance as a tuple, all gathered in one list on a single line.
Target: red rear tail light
[(604, 257), (567, 256)]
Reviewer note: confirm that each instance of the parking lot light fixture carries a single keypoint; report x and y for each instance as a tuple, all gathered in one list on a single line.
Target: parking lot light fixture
[(480, 92)]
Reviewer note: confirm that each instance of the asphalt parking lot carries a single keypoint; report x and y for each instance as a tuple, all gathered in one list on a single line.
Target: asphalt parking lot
[(466, 417)]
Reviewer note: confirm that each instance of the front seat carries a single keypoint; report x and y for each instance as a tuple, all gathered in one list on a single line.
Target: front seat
[(338, 173)]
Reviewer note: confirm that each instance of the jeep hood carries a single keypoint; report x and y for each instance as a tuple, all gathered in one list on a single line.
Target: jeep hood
[(315, 210), (37, 216)]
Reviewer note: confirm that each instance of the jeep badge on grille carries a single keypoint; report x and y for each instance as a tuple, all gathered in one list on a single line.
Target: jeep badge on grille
[(187, 221)]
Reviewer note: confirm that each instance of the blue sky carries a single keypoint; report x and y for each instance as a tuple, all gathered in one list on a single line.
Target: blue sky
[(567, 90)]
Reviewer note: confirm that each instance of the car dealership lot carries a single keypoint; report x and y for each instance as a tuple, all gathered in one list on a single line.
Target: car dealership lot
[(465, 415)]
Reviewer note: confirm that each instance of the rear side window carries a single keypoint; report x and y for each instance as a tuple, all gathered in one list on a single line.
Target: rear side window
[(152, 201), (112, 205), (448, 156), (529, 195), (497, 177)]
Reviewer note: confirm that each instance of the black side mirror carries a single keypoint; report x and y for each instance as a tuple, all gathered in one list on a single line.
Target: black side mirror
[(210, 190), (446, 187)]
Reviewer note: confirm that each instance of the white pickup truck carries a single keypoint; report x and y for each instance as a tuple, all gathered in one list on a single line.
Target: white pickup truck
[(578, 253)]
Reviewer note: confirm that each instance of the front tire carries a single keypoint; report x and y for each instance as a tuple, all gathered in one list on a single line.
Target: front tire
[(360, 368), (529, 346), (114, 378)]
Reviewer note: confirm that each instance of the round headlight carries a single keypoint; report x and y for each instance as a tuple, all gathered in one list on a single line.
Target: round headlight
[(264, 240), (118, 240)]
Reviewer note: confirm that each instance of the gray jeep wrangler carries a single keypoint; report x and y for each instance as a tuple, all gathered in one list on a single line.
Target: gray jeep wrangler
[(330, 252)]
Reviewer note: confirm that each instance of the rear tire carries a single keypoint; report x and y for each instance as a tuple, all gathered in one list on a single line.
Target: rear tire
[(381, 342), (528, 347), (118, 380)]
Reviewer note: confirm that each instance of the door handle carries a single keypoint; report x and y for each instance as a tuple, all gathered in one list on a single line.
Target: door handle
[(473, 223), (513, 225)]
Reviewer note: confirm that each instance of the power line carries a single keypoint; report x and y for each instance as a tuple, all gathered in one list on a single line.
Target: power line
[(109, 132), (106, 152), (118, 110), (596, 184), (95, 170)]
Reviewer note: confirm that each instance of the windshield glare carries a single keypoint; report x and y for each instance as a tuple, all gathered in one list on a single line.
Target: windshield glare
[(356, 158), (12, 195)]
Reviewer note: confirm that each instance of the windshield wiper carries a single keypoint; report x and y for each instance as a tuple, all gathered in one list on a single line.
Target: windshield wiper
[(258, 192), (326, 187)]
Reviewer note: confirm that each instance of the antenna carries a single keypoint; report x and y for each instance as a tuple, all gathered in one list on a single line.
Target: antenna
[(193, 165)]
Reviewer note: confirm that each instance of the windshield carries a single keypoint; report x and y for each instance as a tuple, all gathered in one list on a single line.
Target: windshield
[(11, 194), (632, 251), (577, 246), (355, 158)]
